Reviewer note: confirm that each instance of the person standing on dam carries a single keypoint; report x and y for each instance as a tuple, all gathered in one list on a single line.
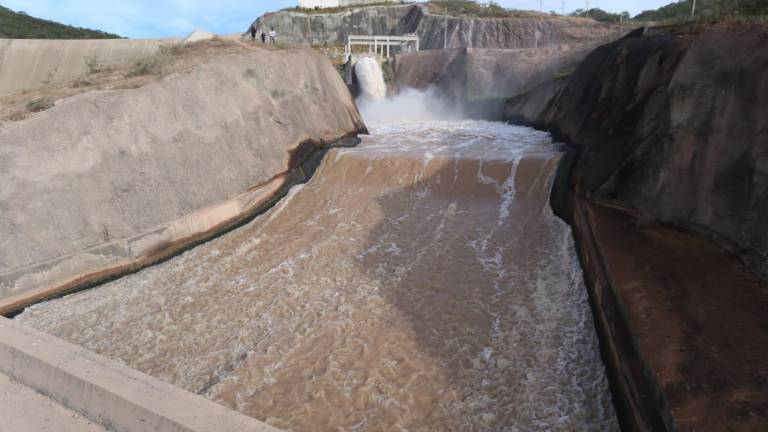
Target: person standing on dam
[(263, 37), (272, 35), (253, 33)]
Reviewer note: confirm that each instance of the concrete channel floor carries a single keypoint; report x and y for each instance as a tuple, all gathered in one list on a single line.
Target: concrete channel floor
[(25, 410)]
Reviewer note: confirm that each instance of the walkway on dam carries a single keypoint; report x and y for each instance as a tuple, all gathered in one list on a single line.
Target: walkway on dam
[(40, 414), (417, 282)]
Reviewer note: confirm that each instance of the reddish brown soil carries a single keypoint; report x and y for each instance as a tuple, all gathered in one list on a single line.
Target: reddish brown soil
[(700, 320)]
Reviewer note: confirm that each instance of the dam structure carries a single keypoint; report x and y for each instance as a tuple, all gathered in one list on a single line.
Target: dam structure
[(220, 235), (418, 281)]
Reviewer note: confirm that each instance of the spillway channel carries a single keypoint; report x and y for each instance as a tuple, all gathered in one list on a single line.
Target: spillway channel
[(418, 282)]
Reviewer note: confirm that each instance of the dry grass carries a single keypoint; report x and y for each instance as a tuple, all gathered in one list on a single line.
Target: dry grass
[(40, 104), (169, 59), (332, 10)]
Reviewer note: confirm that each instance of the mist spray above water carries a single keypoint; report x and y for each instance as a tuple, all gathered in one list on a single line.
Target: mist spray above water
[(410, 105), (371, 79)]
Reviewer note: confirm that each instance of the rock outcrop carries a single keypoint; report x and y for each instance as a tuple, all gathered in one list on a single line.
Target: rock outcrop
[(473, 74), (108, 181), (668, 126), (529, 31), (666, 187)]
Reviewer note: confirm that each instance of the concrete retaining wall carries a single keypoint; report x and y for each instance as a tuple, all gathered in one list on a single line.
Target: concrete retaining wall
[(27, 64), (112, 395), (106, 182)]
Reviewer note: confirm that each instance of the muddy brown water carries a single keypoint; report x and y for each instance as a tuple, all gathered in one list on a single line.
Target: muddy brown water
[(418, 282)]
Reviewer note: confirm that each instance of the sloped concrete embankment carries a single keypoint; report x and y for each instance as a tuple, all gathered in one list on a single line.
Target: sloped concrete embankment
[(534, 31), (109, 181), (30, 64), (667, 186)]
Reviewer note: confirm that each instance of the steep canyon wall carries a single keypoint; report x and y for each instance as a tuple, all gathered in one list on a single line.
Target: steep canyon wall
[(671, 124), (667, 191), (534, 31), (474, 74)]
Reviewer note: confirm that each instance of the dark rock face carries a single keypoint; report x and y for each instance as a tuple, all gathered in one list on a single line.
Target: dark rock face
[(468, 76), (673, 125), (669, 126), (533, 32)]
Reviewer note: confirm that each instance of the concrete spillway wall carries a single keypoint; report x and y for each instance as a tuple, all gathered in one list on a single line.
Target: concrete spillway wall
[(27, 64), (107, 181)]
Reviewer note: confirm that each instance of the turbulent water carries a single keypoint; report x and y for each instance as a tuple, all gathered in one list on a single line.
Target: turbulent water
[(371, 80), (418, 282)]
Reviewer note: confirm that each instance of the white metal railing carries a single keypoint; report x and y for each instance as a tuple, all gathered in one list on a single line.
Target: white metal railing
[(382, 45)]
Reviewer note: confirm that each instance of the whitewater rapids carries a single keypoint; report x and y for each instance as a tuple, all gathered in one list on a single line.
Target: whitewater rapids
[(371, 81), (418, 282)]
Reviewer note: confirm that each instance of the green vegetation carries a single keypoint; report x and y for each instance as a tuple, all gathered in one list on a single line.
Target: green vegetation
[(146, 66), (469, 7), (330, 10), (674, 12), (705, 9), (601, 15), (681, 11), (15, 25), (154, 64), (453, 8), (41, 104)]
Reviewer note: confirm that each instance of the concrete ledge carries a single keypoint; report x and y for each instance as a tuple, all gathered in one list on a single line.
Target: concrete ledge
[(27, 285), (681, 321), (636, 394), (110, 394)]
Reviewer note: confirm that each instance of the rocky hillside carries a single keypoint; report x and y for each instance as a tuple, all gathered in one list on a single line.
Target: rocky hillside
[(15, 25), (667, 191), (680, 11), (667, 127), (473, 74), (525, 31)]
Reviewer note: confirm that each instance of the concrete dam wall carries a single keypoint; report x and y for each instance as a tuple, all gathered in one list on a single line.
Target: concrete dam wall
[(532, 31), (27, 64), (421, 280), (107, 181)]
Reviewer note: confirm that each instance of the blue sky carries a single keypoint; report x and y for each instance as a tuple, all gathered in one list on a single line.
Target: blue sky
[(159, 18)]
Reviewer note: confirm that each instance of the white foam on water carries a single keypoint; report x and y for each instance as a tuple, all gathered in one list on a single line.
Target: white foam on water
[(371, 80), (325, 310)]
